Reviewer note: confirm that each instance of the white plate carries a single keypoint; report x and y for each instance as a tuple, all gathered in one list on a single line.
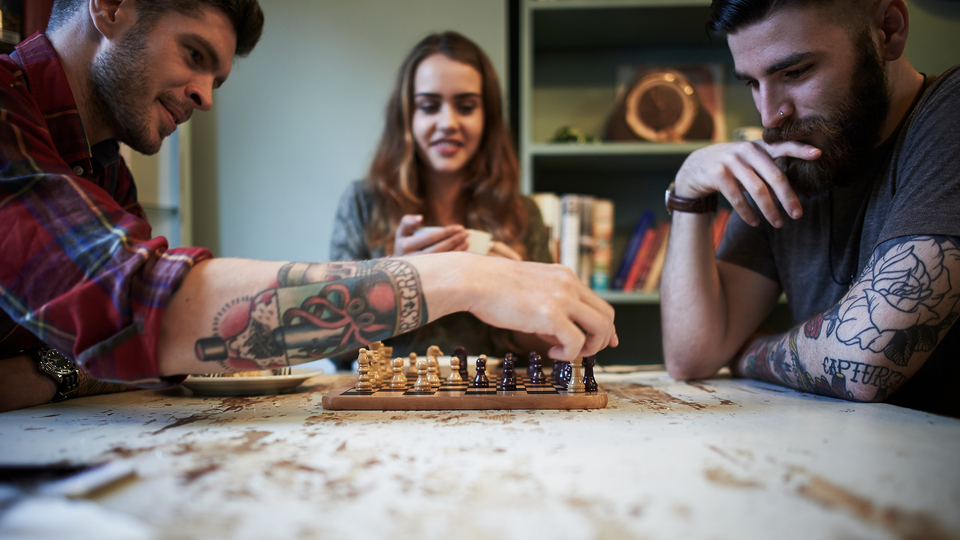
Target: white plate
[(248, 386)]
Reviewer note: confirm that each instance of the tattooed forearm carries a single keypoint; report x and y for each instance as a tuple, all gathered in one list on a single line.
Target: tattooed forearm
[(316, 311), (906, 299), (883, 378), (777, 360)]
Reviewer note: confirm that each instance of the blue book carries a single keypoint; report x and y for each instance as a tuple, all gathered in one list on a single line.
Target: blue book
[(629, 254)]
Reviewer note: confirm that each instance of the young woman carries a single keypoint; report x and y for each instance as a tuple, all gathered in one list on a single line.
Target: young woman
[(445, 164)]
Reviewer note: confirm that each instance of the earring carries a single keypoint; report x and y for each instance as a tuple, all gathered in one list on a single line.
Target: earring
[(781, 113)]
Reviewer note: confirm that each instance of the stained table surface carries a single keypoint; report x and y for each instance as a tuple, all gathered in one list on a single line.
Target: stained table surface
[(713, 459)]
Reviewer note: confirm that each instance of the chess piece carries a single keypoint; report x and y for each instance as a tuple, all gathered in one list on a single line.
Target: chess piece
[(412, 372), (589, 382), (566, 372), (535, 371), (461, 354), (375, 377), (365, 383), (433, 370), (508, 381), (480, 381), (575, 384), (423, 381), (399, 380), (557, 370), (455, 377), (383, 360)]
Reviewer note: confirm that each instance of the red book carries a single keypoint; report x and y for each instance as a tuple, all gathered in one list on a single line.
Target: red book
[(660, 236), (634, 273), (652, 282)]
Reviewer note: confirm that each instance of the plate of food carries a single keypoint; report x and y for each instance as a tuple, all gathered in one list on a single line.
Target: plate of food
[(251, 383)]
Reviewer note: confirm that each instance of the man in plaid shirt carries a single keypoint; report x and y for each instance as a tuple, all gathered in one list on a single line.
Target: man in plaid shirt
[(80, 273)]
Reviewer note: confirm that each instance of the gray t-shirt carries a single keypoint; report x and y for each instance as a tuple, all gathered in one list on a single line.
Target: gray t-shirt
[(349, 243), (910, 186)]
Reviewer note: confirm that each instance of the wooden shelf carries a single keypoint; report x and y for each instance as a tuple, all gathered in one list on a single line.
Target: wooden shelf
[(628, 298)]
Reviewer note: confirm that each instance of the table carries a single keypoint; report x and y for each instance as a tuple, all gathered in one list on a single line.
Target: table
[(712, 459)]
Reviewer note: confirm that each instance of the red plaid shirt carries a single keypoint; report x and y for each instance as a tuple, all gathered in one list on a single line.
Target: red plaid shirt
[(78, 269)]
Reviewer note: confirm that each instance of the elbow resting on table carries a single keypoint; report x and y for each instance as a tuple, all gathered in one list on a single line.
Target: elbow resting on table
[(684, 367)]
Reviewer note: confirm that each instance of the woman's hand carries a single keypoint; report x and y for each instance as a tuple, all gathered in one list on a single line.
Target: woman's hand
[(412, 239), (499, 249)]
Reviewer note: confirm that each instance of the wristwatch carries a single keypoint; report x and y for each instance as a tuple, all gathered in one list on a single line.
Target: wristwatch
[(59, 368), (698, 205)]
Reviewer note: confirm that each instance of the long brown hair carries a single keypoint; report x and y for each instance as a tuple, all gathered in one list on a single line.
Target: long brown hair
[(493, 178)]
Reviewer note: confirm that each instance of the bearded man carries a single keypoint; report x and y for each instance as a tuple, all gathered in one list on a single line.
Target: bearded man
[(857, 152), (88, 296)]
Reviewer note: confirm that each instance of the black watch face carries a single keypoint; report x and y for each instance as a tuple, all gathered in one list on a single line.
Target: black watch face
[(53, 361)]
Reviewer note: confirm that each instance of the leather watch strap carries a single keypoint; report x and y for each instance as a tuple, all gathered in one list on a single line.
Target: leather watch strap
[(698, 205)]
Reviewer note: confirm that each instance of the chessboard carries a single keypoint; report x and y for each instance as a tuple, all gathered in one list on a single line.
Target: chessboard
[(463, 395)]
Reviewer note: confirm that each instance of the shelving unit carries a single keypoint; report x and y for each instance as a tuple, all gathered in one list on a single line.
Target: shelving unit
[(570, 51)]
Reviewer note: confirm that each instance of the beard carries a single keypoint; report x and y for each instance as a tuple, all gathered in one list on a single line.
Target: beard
[(849, 134), (119, 93)]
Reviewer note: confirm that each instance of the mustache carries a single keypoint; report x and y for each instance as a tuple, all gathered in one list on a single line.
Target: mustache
[(800, 129)]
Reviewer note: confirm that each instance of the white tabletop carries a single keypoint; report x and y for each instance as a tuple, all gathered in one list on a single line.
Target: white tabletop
[(714, 459)]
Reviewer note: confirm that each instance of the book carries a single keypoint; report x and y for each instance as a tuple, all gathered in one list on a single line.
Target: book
[(549, 205), (633, 246), (585, 268), (652, 281), (631, 282), (602, 248), (570, 232), (645, 259)]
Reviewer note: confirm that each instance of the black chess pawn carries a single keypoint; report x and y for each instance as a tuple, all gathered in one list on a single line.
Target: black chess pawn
[(589, 382), (480, 381), (535, 371), (509, 379), (566, 372), (555, 374), (461, 353)]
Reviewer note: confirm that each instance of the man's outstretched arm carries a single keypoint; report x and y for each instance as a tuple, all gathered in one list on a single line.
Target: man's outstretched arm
[(880, 333), (233, 314)]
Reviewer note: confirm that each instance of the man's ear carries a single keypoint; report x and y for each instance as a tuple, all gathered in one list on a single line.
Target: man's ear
[(112, 17), (890, 25)]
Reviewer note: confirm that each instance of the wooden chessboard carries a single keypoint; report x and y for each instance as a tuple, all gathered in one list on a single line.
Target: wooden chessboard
[(463, 396)]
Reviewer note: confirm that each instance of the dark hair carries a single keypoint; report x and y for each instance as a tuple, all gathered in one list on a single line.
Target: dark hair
[(493, 176), (246, 16), (729, 16)]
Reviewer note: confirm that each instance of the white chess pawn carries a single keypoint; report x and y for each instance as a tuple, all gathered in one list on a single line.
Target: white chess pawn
[(436, 353), (375, 356), (433, 370), (375, 378), (423, 381), (412, 372), (363, 361), (399, 380), (387, 354), (454, 371), (576, 377)]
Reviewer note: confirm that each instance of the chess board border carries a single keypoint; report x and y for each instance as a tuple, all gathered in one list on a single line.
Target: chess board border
[(449, 397)]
